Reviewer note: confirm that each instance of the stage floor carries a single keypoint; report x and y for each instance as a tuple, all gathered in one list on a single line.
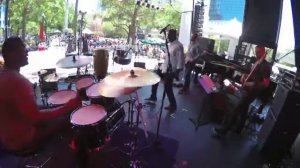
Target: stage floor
[(181, 145)]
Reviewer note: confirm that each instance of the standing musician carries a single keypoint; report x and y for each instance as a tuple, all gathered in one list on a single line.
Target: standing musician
[(253, 85), (22, 126), (190, 60), (177, 62)]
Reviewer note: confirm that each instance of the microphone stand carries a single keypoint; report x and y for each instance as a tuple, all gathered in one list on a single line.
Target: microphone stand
[(169, 71)]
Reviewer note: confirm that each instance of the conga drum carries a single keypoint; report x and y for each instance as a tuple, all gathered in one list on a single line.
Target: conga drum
[(100, 62)]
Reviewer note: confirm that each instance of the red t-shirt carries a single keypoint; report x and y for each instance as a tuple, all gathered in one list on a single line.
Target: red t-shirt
[(16, 127)]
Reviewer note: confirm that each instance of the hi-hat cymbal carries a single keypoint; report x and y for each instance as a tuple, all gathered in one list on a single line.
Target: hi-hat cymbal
[(136, 77), (107, 90), (74, 62), (40, 72), (54, 77)]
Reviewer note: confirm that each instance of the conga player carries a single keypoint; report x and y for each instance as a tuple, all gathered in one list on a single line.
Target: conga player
[(22, 126)]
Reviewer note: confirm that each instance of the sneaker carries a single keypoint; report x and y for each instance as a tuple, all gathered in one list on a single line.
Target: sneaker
[(219, 133), (151, 99)]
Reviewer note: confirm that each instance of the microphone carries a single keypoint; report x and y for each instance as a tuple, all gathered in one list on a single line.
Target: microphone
[(164, 29)]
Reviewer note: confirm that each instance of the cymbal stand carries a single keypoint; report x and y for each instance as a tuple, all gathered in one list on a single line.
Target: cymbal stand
[(133, 128)]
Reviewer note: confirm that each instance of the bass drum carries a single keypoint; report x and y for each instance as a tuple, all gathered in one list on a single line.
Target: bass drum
[(101, 56)]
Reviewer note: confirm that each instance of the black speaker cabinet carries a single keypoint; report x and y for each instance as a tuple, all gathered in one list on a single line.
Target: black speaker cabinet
[(207, 44), (281, 126)]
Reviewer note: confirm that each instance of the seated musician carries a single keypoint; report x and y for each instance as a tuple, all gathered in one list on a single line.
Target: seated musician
[(22, 126), (253, 85)]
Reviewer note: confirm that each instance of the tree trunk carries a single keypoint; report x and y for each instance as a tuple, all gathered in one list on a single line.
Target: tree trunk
[(132, 27), (75, 22), (24, 20)]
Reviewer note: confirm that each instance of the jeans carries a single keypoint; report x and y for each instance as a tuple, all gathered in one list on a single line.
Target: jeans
[(168, 84), (187, 76)]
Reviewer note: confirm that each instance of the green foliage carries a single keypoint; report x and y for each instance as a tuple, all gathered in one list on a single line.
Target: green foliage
[(27, 15), (127, 17)]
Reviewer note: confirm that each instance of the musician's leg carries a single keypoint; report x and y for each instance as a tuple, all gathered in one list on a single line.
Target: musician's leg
[(240, 110), (187, 77), (46, 130), (243, 111), (153, 97), (169, 91)]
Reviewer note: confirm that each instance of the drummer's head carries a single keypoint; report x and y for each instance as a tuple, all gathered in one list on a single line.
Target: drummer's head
[(172, 35), (14, 53)]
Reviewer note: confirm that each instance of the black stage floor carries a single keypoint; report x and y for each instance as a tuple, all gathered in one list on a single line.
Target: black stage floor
[(181, 145)]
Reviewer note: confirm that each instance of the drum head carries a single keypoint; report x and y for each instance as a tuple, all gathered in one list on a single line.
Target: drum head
[(84, 82), (88, 115), (61, 97), (92, 91)]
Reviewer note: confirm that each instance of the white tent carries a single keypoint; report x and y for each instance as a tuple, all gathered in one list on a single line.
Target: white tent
[(232, 28), (87, 31)]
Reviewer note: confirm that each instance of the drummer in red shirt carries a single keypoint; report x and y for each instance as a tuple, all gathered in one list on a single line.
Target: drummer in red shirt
[(22, 126)]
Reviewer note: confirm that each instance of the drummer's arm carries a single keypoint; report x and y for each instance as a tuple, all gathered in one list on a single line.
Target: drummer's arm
[(26, 105)]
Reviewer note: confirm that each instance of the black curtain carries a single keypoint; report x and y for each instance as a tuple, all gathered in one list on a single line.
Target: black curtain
[(296, 19), (262, 22)]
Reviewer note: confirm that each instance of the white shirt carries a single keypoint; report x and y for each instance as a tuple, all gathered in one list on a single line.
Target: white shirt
[(193, 52), (176, 56)]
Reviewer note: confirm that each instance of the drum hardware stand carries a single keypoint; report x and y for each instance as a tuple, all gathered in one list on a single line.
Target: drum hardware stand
[(134, 103)]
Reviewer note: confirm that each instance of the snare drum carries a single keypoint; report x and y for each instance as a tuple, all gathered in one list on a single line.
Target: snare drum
[(93, 93), (82, 84), (90, 126), (61, 97)]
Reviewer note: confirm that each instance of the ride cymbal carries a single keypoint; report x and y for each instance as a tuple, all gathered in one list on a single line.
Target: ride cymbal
[(107, 90), (74, 62), (136, 77), (40, 72)]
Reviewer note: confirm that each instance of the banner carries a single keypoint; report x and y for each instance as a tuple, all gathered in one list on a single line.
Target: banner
[(42, 36)]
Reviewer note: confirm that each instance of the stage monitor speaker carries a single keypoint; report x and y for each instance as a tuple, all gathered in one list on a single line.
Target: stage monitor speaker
[(281, 126), (206, 43)]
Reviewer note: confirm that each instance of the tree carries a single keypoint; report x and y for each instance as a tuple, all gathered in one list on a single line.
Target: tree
[(123, 16), (26, 15)]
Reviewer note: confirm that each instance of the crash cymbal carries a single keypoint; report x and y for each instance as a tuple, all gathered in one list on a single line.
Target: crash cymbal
[(105, 89), (40, 72), (74, 62), (136, 77), (55, 77)]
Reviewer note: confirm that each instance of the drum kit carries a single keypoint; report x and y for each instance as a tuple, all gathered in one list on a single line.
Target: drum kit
[(102, 113)]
